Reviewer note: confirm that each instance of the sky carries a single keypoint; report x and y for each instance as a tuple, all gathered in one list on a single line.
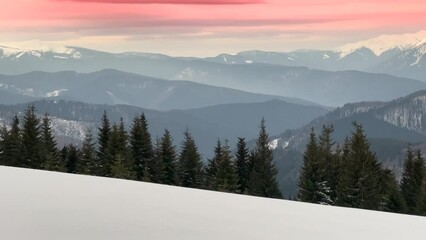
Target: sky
[(204, 27)]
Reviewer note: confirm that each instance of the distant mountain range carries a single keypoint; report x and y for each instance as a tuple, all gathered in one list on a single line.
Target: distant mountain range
[(115, 87), (71, 120), (400, 55), (330, 78)]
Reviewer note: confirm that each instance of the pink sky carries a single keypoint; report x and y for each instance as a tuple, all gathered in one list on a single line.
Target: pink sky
[(205, 27)]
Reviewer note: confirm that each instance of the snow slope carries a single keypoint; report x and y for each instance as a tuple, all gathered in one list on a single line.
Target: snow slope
[(43, 205)]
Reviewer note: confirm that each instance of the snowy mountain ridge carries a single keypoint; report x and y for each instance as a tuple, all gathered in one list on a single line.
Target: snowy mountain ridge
[(56, 52), (384, 43)]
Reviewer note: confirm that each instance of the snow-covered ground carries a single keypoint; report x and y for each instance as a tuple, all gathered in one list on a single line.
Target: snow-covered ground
[(45, 205)]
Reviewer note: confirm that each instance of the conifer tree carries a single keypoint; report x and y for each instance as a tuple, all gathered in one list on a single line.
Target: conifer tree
[(12, 144), (89, 163), (50, 152), (103, 139), (72, 159), (242, 166), (210, 171), (3, 135), (224, 177), (156, 163), (190, 164), (329, 166), (117, 146), (141, 148), (311, 185), (31, 139), (359, 182), (120, 168), (263, 174), (168, 159), (421, 202), (392, 201), (412, 179)]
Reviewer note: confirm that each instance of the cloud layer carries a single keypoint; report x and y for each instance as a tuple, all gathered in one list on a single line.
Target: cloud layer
[(190, 2), (220, 24)]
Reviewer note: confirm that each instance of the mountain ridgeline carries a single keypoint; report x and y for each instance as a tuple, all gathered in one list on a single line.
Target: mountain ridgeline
[(319, 85)]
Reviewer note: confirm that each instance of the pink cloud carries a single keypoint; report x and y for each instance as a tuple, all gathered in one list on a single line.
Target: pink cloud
[(185, 2)]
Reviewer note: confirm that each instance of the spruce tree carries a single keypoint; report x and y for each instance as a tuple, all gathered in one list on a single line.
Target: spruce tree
[(359, 181), (50, 152), (72, 159), (141, 148), (120, 168), (168, 159), (190, 164), (103, 139), (242, 166), (12, 144), (89, 163), (412, 179), (263, 174), (3, 135), (156, 163), (392, 201), (31, 139), (225, 177), (311, 180), (421, 202), (117, 146), (210, 172), (329, 166)]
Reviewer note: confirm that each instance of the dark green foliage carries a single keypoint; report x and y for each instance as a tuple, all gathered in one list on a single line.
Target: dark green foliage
[(89, 163), (156, 164), (50, 152), (168, 159), (221, 173), (103, 139), (120, 168), (421, 203), (311, 182), (412, 179), (190, 164), (31, 140), (71, 158), (329, 164), (11, 140), (117, 146), (242, 166), (141, 148), (359, 182), (392, 201), (263, 172)]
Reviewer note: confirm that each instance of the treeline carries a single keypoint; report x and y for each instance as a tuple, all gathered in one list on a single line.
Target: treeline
[(118, 153), (351, 176)]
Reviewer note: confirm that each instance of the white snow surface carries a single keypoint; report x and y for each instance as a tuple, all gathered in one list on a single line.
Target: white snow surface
[(40, 205), (383, 43)]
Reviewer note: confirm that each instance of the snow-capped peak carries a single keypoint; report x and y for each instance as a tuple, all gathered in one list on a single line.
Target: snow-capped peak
[(58, 52), (383, 43)]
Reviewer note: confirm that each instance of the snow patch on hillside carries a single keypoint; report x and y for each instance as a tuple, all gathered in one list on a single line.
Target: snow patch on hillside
[(55, 93), (273, 144)]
